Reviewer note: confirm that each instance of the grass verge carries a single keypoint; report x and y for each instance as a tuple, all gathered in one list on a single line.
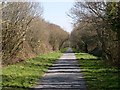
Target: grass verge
[(63, 50), (25, 74), (98, 76)]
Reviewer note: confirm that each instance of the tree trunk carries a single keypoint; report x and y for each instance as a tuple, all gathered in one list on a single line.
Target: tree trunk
[(118, 52), (86, 48)]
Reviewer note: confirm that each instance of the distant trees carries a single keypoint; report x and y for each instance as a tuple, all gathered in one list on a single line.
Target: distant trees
[(57, 36), (102, 18), (25, 33), (83, 37)]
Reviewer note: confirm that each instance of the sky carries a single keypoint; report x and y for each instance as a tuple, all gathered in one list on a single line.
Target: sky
[(56, 12)]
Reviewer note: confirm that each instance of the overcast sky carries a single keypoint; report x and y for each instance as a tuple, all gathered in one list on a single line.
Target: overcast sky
[(56, 12)]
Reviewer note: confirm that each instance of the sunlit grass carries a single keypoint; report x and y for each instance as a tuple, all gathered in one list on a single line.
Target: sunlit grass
[(25, 74), (98, 75)]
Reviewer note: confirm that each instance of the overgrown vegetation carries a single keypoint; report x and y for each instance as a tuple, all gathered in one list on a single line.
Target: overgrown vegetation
[(63, 50), (26, 74), (26, 34), (97, 29), (98, 75)]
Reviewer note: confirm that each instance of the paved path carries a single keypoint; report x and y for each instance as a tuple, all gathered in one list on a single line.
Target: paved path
[(63, 75)]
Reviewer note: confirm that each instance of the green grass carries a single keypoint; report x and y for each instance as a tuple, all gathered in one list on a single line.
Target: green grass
[(98, 76), (63, 50), (75, 50), (26, 74)]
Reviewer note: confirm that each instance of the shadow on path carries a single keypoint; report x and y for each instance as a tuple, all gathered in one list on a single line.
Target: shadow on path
[(64, 74)]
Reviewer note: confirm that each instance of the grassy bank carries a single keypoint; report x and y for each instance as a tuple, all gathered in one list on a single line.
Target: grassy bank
[(25, 74), (98, 75)]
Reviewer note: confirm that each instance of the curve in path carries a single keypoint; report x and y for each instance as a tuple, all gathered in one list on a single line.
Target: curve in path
[(63, 75)]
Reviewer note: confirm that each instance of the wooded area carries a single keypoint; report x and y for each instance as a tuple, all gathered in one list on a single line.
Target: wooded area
[(97, 29), (25, 33), (32, 48)]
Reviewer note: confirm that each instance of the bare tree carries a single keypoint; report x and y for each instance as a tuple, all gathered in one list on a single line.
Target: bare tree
[(97, 14), (16, 17)]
